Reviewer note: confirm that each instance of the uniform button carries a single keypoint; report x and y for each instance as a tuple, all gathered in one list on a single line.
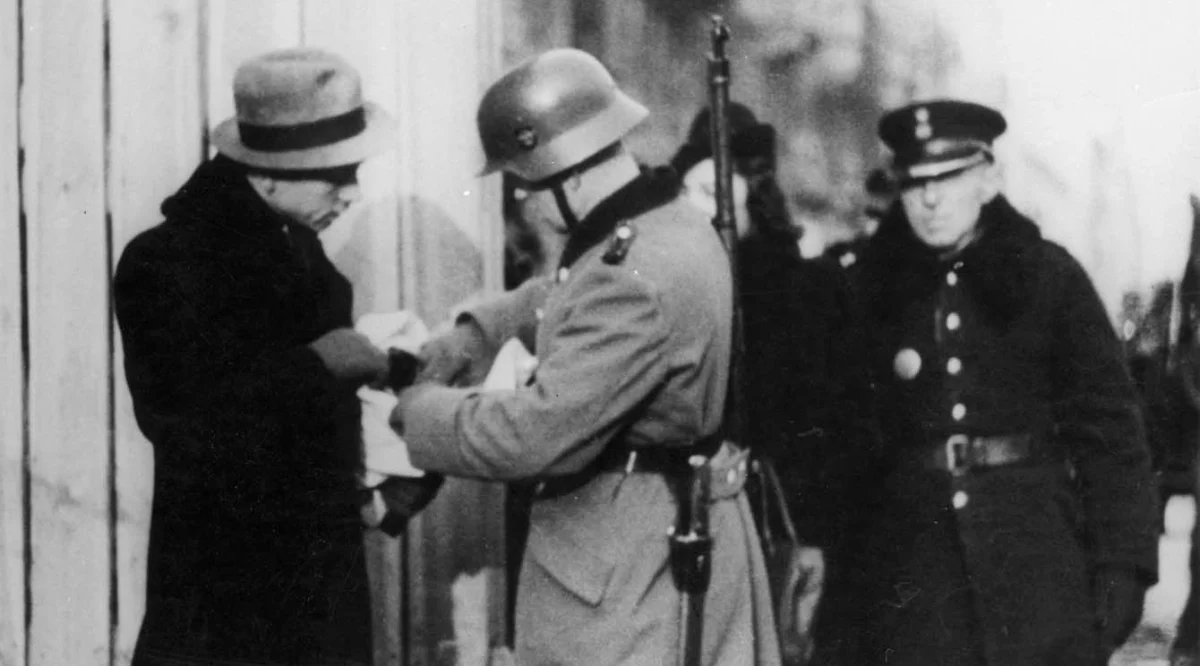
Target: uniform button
[(951, 278), (958, 411), (563, 274), (954, 366), (539, 313), (731, 476), (847, 260), (624, 232), (907, 363), (953, 321), (960, 499)]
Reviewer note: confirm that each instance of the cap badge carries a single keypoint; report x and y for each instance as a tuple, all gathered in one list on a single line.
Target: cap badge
[(527, 139), (923, 130)]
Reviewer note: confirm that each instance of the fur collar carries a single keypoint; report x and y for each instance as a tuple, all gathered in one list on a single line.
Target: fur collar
[(999, 268)]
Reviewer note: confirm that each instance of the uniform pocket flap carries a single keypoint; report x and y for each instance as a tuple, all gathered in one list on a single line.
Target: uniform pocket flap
[(580, 571)]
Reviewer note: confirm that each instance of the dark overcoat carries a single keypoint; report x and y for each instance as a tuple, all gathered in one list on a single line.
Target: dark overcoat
[(632, 339), (1008, 338), (808, 395), (255, 540)]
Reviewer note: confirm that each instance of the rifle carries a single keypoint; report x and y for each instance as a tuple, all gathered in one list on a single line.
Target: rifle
[(691, 542), (718, 100)]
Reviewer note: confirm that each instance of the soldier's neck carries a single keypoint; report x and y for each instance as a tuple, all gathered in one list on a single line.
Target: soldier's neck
[(600, 182)]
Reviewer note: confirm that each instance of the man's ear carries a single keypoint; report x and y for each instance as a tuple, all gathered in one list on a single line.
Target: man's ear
[(991, 183), (264, 185)]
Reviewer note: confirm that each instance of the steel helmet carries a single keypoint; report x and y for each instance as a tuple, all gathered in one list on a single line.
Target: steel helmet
[(551, 113)]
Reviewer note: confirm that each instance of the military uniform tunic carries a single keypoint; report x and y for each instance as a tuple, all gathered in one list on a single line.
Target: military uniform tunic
[(633, 352)]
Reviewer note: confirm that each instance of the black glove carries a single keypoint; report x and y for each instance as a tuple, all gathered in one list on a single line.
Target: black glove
[(402, 369), (404, 497), (1118, 595)]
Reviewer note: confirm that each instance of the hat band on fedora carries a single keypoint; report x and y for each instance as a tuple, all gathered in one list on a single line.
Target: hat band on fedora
[(281, 138)]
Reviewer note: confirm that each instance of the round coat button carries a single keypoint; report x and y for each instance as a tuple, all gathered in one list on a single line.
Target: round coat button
[(960, 499), (958, 411), (951, 278), (907, 363), (954, 366), (563, 274), (953, 321)]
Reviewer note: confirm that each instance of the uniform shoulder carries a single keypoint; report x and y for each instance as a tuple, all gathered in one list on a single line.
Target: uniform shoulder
[(1058, 260)]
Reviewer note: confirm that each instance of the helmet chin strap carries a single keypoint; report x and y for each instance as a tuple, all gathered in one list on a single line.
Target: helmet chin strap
[(564, 206)]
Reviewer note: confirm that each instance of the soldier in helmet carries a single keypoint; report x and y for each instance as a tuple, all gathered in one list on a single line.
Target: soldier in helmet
[(632, 333), (1012, 521)]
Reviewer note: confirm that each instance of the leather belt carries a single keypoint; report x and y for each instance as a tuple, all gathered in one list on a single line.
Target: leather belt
[(660, 459), (728, 465), (961, 453)]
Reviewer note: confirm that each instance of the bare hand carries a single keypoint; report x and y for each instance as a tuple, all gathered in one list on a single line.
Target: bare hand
[(458, 357)]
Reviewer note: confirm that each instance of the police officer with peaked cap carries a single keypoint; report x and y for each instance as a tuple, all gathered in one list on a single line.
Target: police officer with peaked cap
[(1012, 520), (632, 335)]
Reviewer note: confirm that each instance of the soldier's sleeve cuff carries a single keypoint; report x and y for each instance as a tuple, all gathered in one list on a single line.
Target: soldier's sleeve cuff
[(426, 415)]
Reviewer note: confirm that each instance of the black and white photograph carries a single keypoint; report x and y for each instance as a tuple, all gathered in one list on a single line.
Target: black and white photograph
[(599, 332)]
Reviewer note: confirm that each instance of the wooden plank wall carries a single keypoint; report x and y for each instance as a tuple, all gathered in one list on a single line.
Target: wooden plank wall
[(105, 109), (63, 133), (12, 362), (156, 139)]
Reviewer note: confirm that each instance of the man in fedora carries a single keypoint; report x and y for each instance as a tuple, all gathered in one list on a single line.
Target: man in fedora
[(1011, 519), (243, 368)]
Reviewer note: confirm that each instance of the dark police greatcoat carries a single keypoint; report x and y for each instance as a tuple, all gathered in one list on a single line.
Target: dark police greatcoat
[(1007, 338), (255, 543)]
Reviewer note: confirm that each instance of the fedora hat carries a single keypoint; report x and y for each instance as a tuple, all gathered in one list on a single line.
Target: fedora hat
[(301, 109)]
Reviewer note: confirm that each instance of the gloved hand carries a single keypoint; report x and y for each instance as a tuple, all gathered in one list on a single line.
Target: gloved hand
[(404, 497), (1118, 595), (801, 593), (351, 357), (402, 369), (458, 357)]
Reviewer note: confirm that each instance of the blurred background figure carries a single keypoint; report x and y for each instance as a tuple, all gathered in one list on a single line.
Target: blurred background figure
[(879, 195), (807, 394), (1185, 651)]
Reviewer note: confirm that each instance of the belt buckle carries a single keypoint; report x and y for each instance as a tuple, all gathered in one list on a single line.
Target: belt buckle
[(956, 454)]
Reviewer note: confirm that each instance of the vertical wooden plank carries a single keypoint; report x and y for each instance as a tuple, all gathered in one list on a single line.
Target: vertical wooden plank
[(62, 131), (12, 327), (450, 249), (238, 30), (156, 137)]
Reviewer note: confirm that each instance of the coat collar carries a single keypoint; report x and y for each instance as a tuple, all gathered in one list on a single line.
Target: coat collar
[(644, 193), (999, 268), (219, 194)]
